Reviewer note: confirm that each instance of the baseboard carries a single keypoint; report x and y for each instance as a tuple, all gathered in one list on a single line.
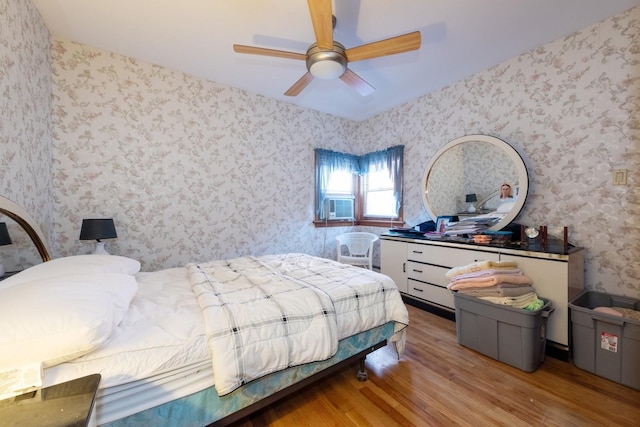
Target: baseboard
[(431, 308), (557, 351)]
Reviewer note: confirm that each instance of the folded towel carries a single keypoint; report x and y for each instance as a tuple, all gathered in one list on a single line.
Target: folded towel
[(485, 273), (480, 265), (498, 291), (527, 301), (619, 311), (608, 310), (483, 282)]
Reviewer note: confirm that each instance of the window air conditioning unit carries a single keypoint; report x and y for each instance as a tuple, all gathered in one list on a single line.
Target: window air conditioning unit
[(340, 208)]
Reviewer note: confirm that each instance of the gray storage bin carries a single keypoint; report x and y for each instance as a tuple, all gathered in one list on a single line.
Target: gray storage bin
[(511, 335), (603, 344)]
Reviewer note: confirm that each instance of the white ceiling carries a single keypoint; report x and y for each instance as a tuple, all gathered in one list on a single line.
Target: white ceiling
[(459, 38)]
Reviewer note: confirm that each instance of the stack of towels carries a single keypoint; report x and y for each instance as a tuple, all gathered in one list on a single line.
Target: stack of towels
[(499, 282)]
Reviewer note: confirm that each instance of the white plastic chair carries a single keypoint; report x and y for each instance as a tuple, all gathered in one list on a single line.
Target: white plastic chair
[(359, 249)]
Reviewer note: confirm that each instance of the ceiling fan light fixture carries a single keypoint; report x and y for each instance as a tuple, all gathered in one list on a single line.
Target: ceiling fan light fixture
[(327, 69), (326, 64)]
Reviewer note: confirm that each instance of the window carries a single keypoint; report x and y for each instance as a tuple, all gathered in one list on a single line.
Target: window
[(360, 190), (378, 198), (340, 183)]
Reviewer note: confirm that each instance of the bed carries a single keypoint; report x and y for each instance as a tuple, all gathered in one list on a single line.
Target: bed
[(203, 344)]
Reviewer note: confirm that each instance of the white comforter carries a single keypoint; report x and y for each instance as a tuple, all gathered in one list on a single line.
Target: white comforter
[(266, 314)]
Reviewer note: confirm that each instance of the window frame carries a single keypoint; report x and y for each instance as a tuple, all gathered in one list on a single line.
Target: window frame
[(358, 209)]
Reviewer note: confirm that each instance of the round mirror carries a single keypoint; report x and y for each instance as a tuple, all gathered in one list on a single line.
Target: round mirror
[(479, 167)]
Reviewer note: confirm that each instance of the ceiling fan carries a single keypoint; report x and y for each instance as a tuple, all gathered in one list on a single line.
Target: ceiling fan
[(328, 59)]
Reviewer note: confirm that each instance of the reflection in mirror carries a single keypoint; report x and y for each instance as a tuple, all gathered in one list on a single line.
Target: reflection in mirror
[(476, 164), (21, 253), (28, 245), (496, 201)]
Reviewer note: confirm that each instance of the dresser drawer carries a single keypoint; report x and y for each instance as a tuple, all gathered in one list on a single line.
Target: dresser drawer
[(427, 273), (447, 257), (431, 293)]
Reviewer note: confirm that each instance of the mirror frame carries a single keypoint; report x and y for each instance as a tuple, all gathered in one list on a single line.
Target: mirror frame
[(508, 150), (22, 218)]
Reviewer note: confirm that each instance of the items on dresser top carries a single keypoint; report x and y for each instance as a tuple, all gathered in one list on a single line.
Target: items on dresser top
[(507, 237)]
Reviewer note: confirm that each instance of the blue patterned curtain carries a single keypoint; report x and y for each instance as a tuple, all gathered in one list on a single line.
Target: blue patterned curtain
[(392, 160), (328, 161)]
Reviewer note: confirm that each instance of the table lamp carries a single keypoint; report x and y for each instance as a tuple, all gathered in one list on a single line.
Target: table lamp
[(4, 240), (97, 229), (471, 199)]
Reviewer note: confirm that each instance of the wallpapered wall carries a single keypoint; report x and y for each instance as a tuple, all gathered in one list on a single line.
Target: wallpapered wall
[(25, 116), (194, 170), (190, 170), (571, 108)]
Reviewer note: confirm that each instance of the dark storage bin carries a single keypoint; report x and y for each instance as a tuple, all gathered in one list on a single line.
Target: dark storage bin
[(606, 345), (511, 335)]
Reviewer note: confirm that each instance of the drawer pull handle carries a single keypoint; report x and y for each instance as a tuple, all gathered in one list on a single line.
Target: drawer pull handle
[(417, 271), (416, 252), (419, 290)]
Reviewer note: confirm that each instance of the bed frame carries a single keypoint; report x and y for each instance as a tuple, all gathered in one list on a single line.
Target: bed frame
[(361, 376)]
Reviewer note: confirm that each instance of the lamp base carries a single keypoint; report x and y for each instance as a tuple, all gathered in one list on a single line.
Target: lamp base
[(100, 250), (471, 208)]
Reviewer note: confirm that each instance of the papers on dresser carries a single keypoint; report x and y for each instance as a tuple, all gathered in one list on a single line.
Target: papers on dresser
[(469, 226)]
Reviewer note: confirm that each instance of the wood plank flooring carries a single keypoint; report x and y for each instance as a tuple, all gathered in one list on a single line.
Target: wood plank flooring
[(440, 383)]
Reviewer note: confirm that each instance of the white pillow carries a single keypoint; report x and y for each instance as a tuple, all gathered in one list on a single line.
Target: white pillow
[(73, 265), (58, 319)]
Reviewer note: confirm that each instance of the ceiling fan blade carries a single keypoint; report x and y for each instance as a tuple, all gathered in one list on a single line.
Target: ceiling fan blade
[(357, 83), (239, 48), (299, 85), (322, 19), (393, 45)]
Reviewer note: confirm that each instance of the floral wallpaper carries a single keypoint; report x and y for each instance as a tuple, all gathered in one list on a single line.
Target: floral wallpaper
[(190, 170), (194, 170), (571, 108), (25, 123)]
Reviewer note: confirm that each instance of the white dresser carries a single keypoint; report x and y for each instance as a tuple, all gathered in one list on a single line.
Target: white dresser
[(418, 267)]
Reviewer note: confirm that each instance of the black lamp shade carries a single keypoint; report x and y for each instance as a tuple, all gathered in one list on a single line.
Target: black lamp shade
[(4, 235), (96, 229), (471, 198)]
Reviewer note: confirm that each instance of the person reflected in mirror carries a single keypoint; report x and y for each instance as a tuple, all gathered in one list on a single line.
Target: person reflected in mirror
[(506, 193)]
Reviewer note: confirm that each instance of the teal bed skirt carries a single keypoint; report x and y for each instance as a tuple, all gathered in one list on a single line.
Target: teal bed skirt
[(206, 407)]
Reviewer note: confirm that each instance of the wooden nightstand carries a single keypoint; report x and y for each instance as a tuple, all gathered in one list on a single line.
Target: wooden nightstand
[(62, 405)]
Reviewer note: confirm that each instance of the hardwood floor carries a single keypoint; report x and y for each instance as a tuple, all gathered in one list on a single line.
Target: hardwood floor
[(440, 383)]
